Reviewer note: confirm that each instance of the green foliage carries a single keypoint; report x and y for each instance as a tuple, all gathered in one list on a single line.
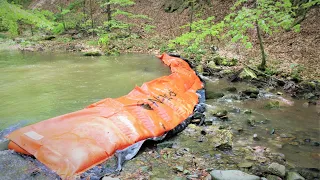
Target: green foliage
[(104, 40), (270, 16), (69, 17), (11, 15), (201, 30)]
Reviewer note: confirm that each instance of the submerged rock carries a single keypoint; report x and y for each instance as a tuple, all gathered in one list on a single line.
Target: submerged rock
[(232, 175), (213, 95), (273, 105), (294, 176), (222, 139), (277, 169)]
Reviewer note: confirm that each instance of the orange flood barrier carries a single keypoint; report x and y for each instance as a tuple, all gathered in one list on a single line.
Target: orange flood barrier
[(73, 143)]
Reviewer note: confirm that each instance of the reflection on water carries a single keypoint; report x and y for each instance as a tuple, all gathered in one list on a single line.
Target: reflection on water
[(293, 130), (34, 87)]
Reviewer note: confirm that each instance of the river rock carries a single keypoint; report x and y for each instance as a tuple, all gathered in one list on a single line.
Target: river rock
[(222, 139), (247, 74), (273, 177), (294, 176), (245, 165), (212, 65), (273, 105), (277, 169), (92, 52), (199, 68), (231, 89), (251, 122), (4, 144), (232, 175), (109, 178), (251, 90), (219, 113), (213, 95)]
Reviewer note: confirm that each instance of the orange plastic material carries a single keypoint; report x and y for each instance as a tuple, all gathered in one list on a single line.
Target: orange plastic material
[(73, 143)]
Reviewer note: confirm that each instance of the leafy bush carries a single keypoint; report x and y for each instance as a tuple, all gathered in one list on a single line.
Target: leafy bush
[(11, 15)]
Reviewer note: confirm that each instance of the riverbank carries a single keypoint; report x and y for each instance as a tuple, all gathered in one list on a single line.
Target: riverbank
[(216, 64)]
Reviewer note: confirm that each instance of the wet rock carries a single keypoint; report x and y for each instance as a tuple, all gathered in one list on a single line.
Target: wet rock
[(247, 74), (224, 61), (199, 68), (255, 137), (245, 165), (247, 111), (4, 144), (213, 95), (178, 168), (166, 144), (294, 176), (208, 121), (235, 110), (251, 90), (251, 122), (273, 177), (219, 113), (277, 169), (109, 178), (273, 105), (93, 52), (208, 177), (212, 65), (309, 173), (222, 139), (49, 38), (316, 143), (193, 176), (232, 174), (231, 89)]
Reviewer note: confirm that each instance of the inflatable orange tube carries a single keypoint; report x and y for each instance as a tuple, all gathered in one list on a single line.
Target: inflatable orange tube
[(73, 143)]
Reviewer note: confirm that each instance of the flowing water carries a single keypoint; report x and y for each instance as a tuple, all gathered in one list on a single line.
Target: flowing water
[(293, 129)]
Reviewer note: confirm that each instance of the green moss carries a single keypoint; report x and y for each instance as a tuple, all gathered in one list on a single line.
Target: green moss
[(273, 105)]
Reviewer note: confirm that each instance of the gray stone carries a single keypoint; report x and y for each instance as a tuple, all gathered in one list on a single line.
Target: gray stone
[(277, 169), (232, 175), (222, 139), (294, 176), (178, 168), (273, 177), (219, 113), (93, 52), (245, 165), (247, 74), (4, 144), (213, 95), (109, 178)]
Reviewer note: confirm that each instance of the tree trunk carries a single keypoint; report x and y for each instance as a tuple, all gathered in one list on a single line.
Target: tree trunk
[(91, 16), (108, 15), (262, 66), (191, 15), (31, 29)]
